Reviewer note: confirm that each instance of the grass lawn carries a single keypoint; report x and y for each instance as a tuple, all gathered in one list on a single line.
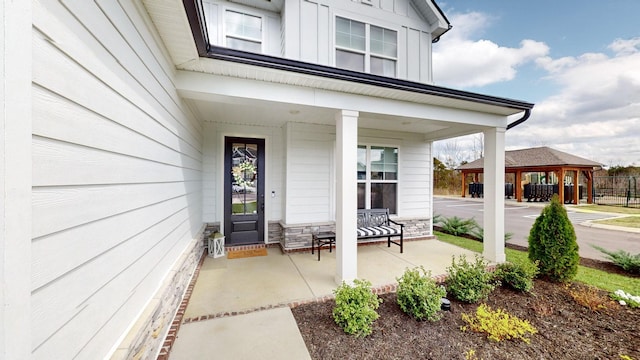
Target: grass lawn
[(598, 278), (610, 209), (628, 221)]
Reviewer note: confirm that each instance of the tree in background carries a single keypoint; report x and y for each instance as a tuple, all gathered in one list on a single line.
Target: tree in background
[(552, 242)]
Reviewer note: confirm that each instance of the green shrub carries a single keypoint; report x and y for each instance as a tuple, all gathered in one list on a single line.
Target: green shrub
[(478, 233), (469, 282), (356, 306), (457, 226), (629, 263), (418, 294), (552, 242), (498, 324), (518, 276)]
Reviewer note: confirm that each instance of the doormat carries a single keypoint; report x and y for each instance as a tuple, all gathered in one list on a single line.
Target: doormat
[(238, 254)]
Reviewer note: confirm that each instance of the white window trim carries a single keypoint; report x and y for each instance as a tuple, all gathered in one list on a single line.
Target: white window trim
[(367, 181), (225, 34), (367, 52)]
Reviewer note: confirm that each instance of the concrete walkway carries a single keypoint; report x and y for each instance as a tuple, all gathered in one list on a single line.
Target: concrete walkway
[(260, 290)]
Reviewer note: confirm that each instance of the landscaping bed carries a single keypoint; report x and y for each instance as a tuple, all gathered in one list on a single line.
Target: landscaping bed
[(566, 329)]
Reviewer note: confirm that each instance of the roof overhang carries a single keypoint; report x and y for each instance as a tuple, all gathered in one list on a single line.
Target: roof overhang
[(435, 16), (181, 26)]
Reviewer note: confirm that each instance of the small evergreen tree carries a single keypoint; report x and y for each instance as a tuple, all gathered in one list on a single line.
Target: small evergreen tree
[(552, 242)]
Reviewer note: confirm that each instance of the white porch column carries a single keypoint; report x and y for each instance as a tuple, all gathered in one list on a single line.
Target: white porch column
[(346, 196), (15, 179), (494, 195)]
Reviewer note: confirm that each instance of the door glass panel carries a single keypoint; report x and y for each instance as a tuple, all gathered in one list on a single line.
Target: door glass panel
[(245, 178)]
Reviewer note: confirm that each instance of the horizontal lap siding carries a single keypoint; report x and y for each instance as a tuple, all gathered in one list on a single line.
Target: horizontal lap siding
[(116, 175), (415, 179), (414, 169), (309, 170)]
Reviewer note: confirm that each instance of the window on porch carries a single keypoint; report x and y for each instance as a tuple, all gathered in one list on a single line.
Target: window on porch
[(377, 177)]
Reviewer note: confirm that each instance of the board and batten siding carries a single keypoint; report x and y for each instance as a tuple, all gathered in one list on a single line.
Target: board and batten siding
[(315, 40), (271, 24), (117, 174)]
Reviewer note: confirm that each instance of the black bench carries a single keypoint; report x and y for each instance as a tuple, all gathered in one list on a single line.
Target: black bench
[(372, 224), (375, 223)]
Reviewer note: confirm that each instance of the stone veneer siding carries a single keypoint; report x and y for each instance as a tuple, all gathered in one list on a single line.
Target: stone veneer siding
[(146, 338), (298, 237), (274, 232)]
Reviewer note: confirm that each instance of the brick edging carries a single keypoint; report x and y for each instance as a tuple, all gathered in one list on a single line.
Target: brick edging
[(177, 320), (179, 317), (378, 290)]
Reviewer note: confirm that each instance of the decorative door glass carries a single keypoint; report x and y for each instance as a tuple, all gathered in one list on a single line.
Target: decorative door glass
[(245, 179)]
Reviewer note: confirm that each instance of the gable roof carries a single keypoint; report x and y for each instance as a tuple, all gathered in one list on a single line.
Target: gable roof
[(435, 16), (535, 157)]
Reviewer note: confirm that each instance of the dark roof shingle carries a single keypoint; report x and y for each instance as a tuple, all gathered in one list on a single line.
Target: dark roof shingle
[(535, 157)]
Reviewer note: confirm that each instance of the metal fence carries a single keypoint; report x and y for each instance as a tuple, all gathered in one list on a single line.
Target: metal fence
[(617, 191)]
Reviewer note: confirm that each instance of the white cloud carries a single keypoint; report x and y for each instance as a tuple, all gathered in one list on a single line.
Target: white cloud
[(624, 47), (595, 111), (462, 62)]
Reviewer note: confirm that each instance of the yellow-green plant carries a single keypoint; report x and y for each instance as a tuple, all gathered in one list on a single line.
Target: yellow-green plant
[(498, 324), (356, 306), (470, 355)]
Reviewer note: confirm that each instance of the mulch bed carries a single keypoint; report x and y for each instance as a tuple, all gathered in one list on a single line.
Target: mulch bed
[(566, 329)]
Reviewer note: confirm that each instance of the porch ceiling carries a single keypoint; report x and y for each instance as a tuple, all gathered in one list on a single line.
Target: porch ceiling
[(264, 113)]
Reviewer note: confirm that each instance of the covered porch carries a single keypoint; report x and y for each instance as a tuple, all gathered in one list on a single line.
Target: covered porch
[(314, 119)]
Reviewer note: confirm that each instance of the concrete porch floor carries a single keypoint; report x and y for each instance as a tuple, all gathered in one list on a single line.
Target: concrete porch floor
[(261, 288)]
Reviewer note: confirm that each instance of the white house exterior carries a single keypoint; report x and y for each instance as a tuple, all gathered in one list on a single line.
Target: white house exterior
[(123, 121)]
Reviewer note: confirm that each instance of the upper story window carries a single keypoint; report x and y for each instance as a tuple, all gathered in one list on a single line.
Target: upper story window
[(243, 31), (366, 48)]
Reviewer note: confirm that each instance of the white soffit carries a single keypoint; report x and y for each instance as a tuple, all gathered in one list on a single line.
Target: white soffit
[(259, 73), (170, 20)]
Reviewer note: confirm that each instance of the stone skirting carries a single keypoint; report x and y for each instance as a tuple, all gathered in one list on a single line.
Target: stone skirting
[(297, 237), (146, 338), (274, 230)]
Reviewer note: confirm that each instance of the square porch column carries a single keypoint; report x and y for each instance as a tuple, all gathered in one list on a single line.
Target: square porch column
[(346, 196), (16, 176), (493, 249)]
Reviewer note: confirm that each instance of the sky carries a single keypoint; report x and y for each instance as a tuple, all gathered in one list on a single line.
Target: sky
[(578, 61)]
